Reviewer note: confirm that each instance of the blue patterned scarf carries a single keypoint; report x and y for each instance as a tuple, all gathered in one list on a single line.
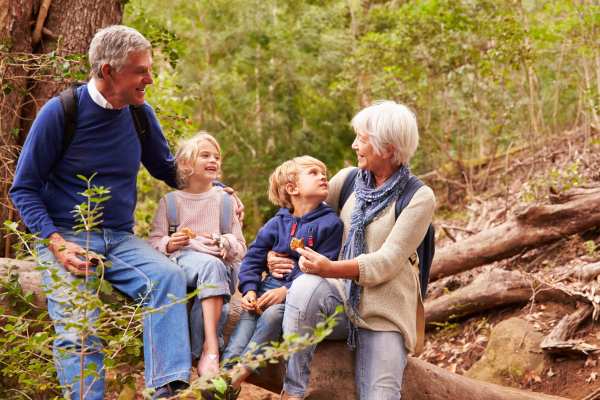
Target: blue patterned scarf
[(369, 203)]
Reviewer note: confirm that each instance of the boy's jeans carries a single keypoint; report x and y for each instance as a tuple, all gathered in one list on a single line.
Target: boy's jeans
[(141, 273), (380, 356), (252, 328)]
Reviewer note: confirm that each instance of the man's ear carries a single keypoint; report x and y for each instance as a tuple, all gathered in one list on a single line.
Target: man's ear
[(291, 189), (106, 71)]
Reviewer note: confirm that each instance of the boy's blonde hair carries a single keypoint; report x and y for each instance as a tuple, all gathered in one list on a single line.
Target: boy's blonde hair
[(188, 152), (288, 173)]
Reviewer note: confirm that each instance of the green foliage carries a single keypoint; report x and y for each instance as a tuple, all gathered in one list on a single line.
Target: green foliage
[(556, 180), (275, 79)]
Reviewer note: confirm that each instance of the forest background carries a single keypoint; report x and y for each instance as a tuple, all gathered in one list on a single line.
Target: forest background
[(276, 79)]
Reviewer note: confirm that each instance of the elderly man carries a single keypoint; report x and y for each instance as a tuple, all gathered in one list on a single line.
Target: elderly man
[(46, 188)]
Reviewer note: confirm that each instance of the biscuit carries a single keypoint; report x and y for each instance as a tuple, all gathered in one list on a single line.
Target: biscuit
[(296, 243), (188, 232)]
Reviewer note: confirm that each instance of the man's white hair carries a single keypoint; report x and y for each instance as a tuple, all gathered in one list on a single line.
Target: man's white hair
[(112, 45), (389, 124)]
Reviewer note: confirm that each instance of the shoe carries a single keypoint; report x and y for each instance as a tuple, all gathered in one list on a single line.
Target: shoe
[(169, 390), (208, 365)]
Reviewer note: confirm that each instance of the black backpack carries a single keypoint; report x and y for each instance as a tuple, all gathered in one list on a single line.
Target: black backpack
[(69, 100), (426, 249)]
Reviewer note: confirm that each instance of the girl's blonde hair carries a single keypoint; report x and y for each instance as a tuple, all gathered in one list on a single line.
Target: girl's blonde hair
[(188, 152), (288, 173)]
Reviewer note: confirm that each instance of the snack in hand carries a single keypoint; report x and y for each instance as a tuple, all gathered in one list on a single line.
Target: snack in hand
[(188, 232), (257, 309), (296, 243)]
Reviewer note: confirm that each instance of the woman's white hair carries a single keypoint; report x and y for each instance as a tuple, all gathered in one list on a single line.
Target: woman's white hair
[(112, 45), (389, 124)]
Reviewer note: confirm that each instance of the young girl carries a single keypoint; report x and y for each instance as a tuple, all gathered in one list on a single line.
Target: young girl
[(204, 252)]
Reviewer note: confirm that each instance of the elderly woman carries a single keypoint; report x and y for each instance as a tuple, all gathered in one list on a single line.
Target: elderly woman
[(375, 278)]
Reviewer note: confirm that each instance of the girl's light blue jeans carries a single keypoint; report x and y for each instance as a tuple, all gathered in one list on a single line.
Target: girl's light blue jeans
[(380, 357), (138, 271), (214, 278), (253, 330)]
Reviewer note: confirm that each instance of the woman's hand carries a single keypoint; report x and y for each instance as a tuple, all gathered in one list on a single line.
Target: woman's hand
[(249, 301), (312, 262), (279, 264), (270, 297), (177, 241)]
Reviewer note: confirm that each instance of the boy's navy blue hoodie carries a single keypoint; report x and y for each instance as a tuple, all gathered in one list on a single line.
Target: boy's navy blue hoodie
[(320, 229)]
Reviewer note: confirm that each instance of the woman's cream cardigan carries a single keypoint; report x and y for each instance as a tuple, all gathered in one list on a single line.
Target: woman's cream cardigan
[(390, 297)]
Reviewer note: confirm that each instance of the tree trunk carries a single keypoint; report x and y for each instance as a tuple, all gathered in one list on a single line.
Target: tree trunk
[(332, 369), (24, 86), (535, 226)]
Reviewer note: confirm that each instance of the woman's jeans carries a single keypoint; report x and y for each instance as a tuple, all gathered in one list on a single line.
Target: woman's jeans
[(138, 271), (380, 357), (214, 278), (252, 330)]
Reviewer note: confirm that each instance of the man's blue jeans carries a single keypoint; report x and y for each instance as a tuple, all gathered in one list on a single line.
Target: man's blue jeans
[(253, 329), (138, 271), (380, 357)]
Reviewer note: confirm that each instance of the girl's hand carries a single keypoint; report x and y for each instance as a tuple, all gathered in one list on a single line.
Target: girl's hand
[(177, 241), (273, 296), (312, 262), (249, 301), (279, 264)]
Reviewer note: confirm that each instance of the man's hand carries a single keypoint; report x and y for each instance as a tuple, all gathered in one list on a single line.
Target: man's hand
[(70, 255), (312, 262), (239, 206), (177, 241), (279, 264), (249, 300), (273, 296)]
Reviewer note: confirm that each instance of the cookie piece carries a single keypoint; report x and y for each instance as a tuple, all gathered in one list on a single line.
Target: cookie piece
[(296, 244), (188, 232)]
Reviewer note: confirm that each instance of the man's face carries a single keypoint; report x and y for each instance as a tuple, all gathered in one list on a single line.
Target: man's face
[(129, 83)]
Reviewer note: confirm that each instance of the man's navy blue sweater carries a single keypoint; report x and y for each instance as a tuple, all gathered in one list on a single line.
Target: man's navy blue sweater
[(320, 229), (46, 188)]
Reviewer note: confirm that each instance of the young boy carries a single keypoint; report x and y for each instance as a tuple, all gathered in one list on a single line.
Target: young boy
[(299, 186)]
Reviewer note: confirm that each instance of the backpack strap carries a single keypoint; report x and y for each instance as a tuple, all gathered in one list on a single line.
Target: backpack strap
[(172, 217), (426, 249), (69, 99), (140, 121), (347, 188), (226, 212)]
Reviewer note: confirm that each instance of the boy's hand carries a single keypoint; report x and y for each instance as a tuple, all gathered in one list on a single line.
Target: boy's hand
[(273, 296), (249, 301), (279, 264), (177, 241)]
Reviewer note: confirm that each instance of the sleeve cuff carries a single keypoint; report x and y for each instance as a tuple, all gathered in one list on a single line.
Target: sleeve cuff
[(362, 271), (162, 244), (246, 287), (47, 231)]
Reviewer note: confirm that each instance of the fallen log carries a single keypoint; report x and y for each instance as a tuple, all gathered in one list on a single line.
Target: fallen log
[(533, 227), (332, 369), (558, 342), (492, 289)]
